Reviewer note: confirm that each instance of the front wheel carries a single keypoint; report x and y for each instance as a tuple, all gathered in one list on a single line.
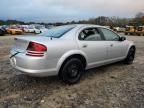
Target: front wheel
[(130, 57), (72, 71)]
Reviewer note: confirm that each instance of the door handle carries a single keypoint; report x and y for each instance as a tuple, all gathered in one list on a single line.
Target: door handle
[(84, 45)]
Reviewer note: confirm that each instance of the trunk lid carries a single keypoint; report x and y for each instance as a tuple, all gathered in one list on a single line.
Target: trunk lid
[(21, 43)]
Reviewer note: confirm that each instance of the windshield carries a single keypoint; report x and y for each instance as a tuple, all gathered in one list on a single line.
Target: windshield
[(57, 32)]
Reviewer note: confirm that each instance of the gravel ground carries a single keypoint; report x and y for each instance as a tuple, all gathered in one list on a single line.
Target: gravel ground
[(113, 86)]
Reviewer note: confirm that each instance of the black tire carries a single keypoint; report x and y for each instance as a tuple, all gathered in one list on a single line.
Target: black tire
[(131, 33), (130, 57), (72, 71)]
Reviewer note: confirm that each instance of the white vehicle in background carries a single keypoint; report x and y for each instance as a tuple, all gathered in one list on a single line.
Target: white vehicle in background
[(31, 29), (42, 29), (119, 29)]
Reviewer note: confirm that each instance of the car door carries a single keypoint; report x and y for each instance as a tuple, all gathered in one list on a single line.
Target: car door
[(116, 49), (92, 43)]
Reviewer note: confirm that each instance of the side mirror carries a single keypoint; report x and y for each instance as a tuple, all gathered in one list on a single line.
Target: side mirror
[(122, 38)]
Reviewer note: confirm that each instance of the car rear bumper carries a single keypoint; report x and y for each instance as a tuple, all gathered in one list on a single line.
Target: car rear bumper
[(36, 73), (39, 67)]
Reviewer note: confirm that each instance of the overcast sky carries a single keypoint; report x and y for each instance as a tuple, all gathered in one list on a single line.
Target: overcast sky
[(67, 10)]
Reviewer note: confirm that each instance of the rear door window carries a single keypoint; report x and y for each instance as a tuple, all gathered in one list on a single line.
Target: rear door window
[(90, 34)]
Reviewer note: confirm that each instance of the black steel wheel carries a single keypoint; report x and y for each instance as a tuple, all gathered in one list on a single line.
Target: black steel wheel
[(72, 71), (131, 55)]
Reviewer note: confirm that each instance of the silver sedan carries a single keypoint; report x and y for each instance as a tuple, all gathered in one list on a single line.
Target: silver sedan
[(68, 50)]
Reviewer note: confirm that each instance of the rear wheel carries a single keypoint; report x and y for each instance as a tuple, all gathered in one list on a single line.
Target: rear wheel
[(72, 71), (130, 57)]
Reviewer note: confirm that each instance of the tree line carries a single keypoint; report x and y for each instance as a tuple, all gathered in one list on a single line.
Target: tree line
[(101, 20)]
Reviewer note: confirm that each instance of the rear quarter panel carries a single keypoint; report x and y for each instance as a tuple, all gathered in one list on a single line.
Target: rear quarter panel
[(61, 47), (59, 50)]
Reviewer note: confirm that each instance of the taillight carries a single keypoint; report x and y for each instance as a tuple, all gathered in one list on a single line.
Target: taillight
[(36, 49)]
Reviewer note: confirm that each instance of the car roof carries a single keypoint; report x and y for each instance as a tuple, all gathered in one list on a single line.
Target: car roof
[(86, 25), (79, 27)]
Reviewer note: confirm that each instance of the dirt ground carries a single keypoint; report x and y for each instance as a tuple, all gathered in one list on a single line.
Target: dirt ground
[(113, 86)]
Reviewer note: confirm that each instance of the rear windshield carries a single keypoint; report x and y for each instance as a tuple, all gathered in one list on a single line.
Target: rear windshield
[(57, 32)]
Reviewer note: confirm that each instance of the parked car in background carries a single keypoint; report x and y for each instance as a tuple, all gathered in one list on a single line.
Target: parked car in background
[(21, 27), (32, 30), (42, 29), (130, 30), (119, 29), (68, 50), (2, 31), (14, 30), (140, 30)]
